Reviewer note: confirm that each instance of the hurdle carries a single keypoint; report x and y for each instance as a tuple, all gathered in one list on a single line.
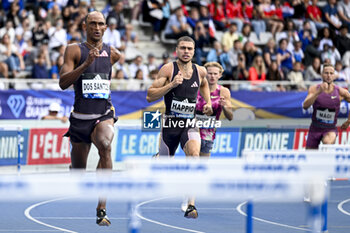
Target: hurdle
[(10, 129), (214, 179), (337, 159)]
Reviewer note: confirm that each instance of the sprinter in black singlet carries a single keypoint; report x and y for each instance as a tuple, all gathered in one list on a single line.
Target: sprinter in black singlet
[(179, 82), (88, 67)]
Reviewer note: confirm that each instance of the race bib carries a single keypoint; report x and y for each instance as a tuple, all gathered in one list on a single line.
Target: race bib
[(96, 86), (182, 109), (325, 116)]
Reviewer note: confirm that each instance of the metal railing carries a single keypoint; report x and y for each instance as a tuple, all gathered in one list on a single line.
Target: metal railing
[(135, 85)]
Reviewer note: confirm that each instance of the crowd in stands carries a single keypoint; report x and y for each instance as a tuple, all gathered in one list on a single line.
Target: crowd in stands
[(303, 35)]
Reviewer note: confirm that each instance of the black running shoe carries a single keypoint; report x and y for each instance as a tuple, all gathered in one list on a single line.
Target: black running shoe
[(191, 212), (102, 219), (155, 155)]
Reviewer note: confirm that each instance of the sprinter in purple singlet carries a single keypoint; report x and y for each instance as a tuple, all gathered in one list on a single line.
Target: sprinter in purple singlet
[(220, 101), (88, 67), (325, 99)]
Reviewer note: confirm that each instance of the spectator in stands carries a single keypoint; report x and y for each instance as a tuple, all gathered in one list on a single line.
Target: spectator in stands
[(136, 84), (250, 51), (241, 73), (165, 58), (343, 8), (235, 13), (296, 78), (13, 15), (23, 34), (331, 15), (122, 84), (11, 56), (66, 16), (219, 12), (136, 65), (270, 52), (57, 35), (112, 35), (206, 18), (9, 30), (340, 74), (3, 69), (230, 36), (193, 18), (54, 14), (153, 74), (247, 29), (40, 33), (73, 34), (306, 35), (297, 52), (267, 12), (73, 7), (285, 57), (331, 54), (312, 51), (314, 13), (252, 15), (54, 110), (40, 69), (55, 69), (215, 52), (342, 41), (257, 72), (152, 12), (123, 66), (151, 63), (202, 40), (234, 53), (313, 71), (326, 37), (299, 11), (275, 74), (177, 25), (117, 13)]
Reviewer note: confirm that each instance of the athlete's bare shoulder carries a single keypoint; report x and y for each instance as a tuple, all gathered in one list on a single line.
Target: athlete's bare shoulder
[(202, 71), (166, 71)]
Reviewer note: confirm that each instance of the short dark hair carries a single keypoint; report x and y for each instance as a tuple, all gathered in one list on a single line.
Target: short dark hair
[(185, 38)]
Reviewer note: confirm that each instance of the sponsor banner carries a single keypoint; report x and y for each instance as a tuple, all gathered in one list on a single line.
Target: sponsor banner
[(9, 147), (266, 139), (48, 146), (134, 142), (29, 104)]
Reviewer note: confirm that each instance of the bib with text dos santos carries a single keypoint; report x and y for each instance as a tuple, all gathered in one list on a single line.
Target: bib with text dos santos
[(92, 89), (180, 102), (326, 108)]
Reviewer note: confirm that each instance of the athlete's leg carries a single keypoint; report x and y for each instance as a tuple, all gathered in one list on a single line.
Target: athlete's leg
[(79, 154), (102, 137), (329, 138)]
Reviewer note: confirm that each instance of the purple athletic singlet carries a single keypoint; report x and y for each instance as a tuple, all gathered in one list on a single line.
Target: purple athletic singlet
[(209, 133), (324, 117)]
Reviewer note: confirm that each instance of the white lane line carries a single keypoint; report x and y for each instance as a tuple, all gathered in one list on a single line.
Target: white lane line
[(10, 230), (239, 209), (341, 209), (76, 218), (27, 214), (160, 223)]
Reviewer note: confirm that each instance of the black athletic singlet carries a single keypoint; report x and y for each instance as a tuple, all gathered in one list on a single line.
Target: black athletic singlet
[(92, 89), (180, 102)]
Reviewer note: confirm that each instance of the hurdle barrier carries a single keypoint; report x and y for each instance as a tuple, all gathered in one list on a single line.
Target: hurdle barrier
[(214, 179)]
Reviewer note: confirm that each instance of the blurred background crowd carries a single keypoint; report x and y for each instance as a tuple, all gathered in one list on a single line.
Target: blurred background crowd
[(256, 41)]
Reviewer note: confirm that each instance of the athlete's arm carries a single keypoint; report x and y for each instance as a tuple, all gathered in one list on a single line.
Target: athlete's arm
[(115, 55), (68, 73), (162, 84), (204, 90), (313, 94), (225, 102), (344, 94)]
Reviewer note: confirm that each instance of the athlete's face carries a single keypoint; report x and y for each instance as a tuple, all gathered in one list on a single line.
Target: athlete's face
[(185, 51), (95, 26), (328, 74), (213, 75)]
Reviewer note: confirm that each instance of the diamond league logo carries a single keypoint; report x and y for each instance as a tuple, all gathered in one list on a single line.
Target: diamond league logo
[(16, 104)]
